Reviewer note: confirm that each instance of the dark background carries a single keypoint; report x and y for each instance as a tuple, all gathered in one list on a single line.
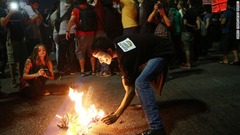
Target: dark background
[(44, 4)]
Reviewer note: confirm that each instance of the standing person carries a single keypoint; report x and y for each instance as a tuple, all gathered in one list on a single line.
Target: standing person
[(191, 25), (129, 11), (53, 18), (3, 39), (145, 9), (98, 5), (228, 34), (163, 21), (142, 59), (67, 59), (205, 32), (16, 47), (33, 35), (38, 69), (84, 38)]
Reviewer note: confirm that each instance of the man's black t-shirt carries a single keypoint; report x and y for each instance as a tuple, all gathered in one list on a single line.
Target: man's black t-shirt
[(191, 17), (134, 51), (16, 27)]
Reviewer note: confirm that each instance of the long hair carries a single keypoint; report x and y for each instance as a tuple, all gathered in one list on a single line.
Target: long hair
[(35, 56)]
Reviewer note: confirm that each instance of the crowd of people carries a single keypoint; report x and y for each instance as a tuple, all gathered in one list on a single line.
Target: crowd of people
[(152, 34)]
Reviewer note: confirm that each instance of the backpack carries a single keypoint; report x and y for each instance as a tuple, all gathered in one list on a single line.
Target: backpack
[(87, 19)]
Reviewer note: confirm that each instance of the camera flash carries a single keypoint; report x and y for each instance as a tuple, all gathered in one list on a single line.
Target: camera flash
[(13, 5)]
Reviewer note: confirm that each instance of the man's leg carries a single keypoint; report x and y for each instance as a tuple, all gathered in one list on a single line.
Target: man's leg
[(145, 92)]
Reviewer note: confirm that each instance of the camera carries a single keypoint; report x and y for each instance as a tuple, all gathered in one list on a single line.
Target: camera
[(160, 5), (13, 6), (47, 72)]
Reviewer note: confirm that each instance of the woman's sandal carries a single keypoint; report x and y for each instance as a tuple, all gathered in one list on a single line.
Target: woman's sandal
[(222, 62)]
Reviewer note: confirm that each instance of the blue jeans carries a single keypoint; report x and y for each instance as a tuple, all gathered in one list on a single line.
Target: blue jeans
[(145, 92)]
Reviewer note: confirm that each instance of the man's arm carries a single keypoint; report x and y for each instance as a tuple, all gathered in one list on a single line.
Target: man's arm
[(127, 99), (70, 24), (4, 20)]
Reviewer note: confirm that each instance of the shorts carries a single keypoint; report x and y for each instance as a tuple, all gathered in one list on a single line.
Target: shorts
[(83, 46), (188, 40)]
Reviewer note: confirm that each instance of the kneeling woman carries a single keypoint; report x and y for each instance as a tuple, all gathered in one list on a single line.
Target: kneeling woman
[(38, 69)]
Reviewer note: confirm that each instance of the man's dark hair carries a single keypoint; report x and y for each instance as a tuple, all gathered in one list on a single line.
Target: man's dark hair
[(102, 43)]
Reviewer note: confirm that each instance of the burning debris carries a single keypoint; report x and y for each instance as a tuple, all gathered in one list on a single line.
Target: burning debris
[(80, 119)]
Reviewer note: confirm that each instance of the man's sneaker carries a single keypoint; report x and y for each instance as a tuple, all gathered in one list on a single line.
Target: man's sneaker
[(185, 66), (153, 132), (14, 84), (93, 72), (82, 74)]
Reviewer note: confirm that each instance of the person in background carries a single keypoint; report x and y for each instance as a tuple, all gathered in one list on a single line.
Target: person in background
[(191, 25), (129, 11), (99, 9), (16, 47), (143, 59), (33, 35), (163, 21), (145, 9), (84, 39), (38, 69), (53, 17), (67, 59), (228, 34), (3, 39), (205, 31)]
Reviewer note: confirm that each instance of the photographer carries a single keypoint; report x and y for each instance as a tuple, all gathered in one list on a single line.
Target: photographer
[(38, 69), (16, 48), (163, 22)]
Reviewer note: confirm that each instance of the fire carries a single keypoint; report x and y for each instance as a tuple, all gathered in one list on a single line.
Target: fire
[(81, 119)]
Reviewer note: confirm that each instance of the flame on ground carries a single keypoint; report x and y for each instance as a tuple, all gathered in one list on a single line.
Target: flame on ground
[(81, 119)]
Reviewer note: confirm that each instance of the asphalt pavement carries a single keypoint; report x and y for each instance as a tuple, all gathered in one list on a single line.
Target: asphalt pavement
[(203, 100)]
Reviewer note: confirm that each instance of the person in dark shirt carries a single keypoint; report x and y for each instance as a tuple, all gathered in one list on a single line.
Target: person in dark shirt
[(16, 48), (191, 26), (3, 39), (143, 60)]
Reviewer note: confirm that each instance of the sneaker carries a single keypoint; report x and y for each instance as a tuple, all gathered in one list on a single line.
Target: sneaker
[(185, 66), (82, 74), (93, 72), (47, 93), (14, 84), (153, 132)]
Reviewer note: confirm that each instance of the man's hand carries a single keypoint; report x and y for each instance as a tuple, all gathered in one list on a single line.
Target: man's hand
[(67, 35), (110, 119)]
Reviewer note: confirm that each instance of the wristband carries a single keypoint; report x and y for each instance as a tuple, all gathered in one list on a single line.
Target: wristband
[(67, 31)]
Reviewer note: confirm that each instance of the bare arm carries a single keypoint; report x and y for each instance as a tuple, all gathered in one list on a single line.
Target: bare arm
[(207, 23), (127, 99), (27, 75), (70, 24), (34, 19), (5, 20)]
